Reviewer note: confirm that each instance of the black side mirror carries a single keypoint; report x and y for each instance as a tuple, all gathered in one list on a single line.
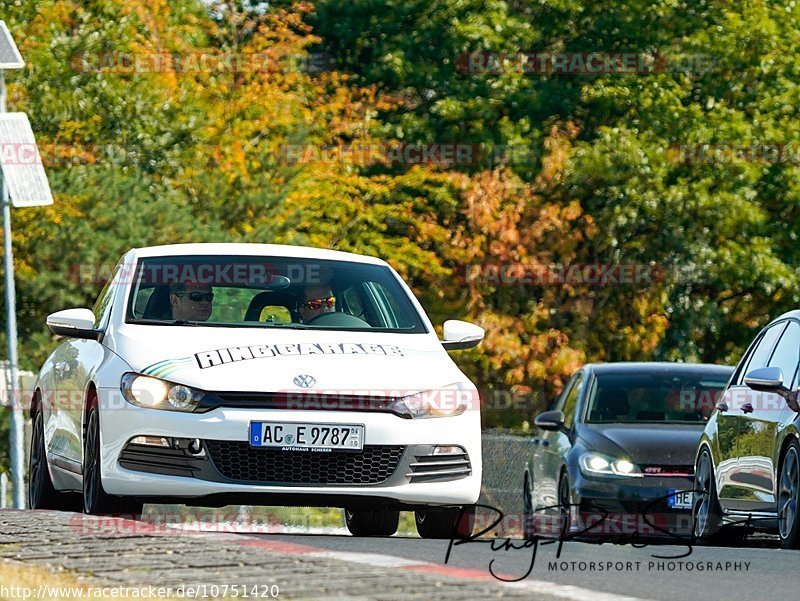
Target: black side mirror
[(550, 420), (770, 379)]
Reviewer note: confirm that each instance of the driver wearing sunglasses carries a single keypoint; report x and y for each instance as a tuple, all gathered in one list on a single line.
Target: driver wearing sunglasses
[(317, 300), (191, 302)]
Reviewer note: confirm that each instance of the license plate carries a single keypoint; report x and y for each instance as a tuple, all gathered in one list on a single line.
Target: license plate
[(680, 499), (292, 436)]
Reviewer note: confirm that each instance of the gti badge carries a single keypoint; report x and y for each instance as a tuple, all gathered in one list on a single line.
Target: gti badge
[(304, 381)]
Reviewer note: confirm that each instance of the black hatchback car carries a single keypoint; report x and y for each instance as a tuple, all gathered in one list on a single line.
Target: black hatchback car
[(615, 453), (748, 459)]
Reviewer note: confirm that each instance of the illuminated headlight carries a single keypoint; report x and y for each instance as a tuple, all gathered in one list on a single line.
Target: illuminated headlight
[(448, 401), (155, 393), (595, 464)]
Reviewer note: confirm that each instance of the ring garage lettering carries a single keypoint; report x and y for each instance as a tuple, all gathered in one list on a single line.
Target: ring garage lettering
[(234, 354)]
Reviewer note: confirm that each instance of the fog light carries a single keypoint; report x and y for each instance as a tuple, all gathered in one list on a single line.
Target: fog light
[(447, 450), (151, 441)]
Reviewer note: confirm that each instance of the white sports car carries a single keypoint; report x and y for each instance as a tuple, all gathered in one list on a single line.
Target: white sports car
[(216, 374)]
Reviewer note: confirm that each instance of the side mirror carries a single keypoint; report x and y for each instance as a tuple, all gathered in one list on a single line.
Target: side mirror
[(765, 379), (550, 420), (74, 323), (460, 335), (770, 379)]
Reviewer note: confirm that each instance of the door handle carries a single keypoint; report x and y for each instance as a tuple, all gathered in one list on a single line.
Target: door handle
[(62, 367), (747, 408), (722, 406)]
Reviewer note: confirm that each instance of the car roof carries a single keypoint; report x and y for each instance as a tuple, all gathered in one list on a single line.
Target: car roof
[(657, 367), (247, 249), (794, 313)]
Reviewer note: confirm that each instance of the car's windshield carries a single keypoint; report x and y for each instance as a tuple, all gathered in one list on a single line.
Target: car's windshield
[(277, 292), (675, 396)]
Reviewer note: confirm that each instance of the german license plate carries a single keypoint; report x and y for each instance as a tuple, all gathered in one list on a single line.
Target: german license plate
[(680, 499), (293, 436)]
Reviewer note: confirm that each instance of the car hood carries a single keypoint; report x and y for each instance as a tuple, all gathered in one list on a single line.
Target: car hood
[(646, 444), (244, 359)]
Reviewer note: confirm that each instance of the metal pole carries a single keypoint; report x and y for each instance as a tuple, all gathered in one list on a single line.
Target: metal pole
[(16, 436)]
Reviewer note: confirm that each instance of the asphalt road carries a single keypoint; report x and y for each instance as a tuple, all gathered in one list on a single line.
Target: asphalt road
[(761, 571)]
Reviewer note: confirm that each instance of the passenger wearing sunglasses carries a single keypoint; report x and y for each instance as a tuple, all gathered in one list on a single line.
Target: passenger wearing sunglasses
[(191, 302), (317, 300)]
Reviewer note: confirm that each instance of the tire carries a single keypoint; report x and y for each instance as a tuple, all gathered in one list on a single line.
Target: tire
[(378, 522), (564, 504), (41, 492), (445, 523), (528, 515), (706, 510), (95, 499), (788, 505)]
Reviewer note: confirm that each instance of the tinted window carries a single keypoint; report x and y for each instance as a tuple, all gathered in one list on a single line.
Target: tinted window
[(571, 402), (787, 352), (662, 396), (102, 307), (763, 350), (254, 291)]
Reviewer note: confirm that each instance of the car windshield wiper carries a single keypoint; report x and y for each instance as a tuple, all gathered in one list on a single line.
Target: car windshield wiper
[(216, 324), (269, 324), (169, 322)]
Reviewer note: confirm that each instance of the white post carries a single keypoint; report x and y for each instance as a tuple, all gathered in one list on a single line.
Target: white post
[(3, 490), (16, 437)]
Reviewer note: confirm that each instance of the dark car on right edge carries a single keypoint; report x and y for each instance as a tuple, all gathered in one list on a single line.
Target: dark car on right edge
[(747, 466)]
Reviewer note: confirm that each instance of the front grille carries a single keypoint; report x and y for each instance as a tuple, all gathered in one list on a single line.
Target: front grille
[(449, 466), (307, 401), (668, 470), (237, 460)]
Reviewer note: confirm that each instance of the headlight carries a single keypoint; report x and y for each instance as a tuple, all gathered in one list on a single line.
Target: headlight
[(596, 464), (155, 393), (448, 401)]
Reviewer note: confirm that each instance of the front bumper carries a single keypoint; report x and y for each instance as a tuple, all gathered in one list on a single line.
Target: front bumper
[(634, 507), (229, 427)]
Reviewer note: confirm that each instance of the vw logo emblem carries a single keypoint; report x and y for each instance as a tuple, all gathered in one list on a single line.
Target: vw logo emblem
[(304, 381)]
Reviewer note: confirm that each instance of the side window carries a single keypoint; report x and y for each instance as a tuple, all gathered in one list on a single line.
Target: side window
[(558, 404), (353, 303), (763, 350), (571, 402), (787, 353), (102, 307)]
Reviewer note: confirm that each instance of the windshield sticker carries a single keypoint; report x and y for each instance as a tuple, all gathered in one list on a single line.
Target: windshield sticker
[(234, 354)]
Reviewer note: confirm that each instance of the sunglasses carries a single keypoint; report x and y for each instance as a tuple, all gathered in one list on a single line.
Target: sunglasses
[(318, 303), (197, 296)]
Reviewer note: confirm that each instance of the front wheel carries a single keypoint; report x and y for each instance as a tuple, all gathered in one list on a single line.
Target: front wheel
[(41, 492), (528, 516), (95, 499), (378, 522), (446, 523), (788, 499)]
